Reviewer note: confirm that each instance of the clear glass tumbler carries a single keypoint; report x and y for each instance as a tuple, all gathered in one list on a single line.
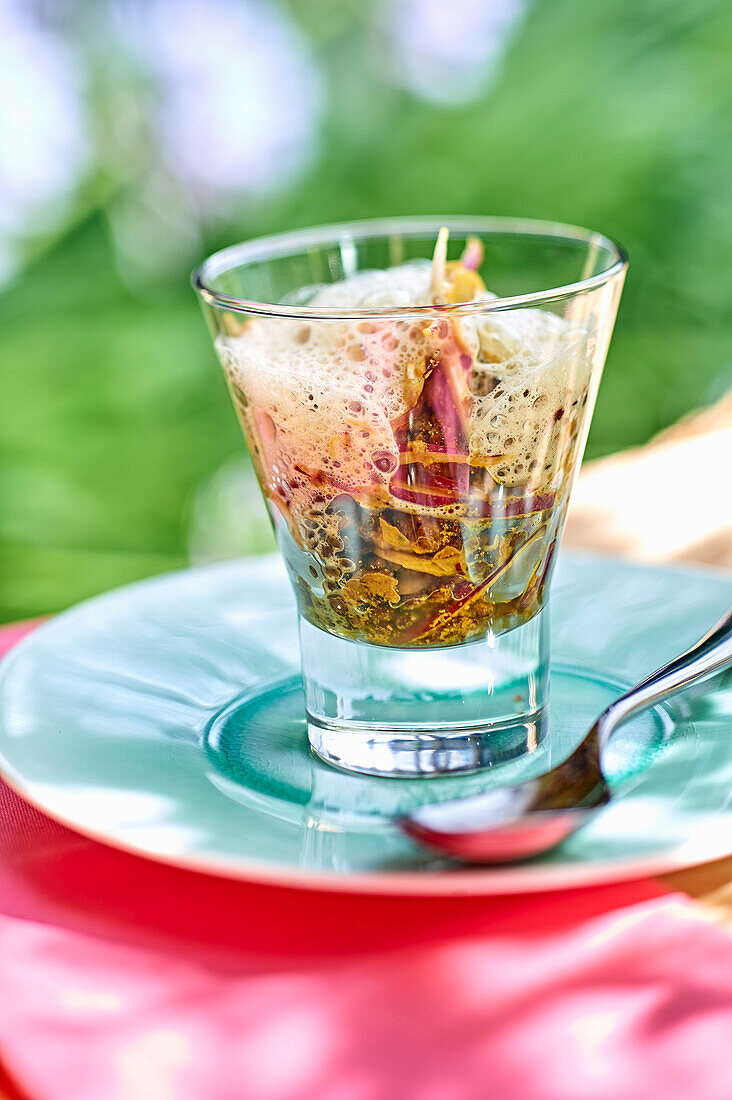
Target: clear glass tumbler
[(416, 437)]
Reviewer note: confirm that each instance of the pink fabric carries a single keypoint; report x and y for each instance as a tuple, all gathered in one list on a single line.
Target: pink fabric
[(124, 980)]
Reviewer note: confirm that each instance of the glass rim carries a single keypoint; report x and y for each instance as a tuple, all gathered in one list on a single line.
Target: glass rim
[(280, 245)]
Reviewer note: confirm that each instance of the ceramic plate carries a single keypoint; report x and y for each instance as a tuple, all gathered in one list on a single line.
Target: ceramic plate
[(166, 719)]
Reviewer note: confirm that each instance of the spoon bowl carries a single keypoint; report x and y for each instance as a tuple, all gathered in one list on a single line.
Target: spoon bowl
[(524, 820)]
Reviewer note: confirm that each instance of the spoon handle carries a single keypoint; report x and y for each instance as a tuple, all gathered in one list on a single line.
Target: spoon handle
[(710, 654)]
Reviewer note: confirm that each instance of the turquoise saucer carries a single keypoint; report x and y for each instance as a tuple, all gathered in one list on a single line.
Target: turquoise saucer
[(166, 719)]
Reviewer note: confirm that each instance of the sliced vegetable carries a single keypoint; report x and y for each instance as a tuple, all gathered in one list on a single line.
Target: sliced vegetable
[(472, 256), (420, 631)]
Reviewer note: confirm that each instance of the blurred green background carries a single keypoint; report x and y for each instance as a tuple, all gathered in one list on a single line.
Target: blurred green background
[(138, 136)]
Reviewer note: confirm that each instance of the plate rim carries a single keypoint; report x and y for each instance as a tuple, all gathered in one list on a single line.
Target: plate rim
[(446, 882), (494, 882)]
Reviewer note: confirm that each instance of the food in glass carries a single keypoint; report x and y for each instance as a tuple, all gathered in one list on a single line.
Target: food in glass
[(422, 501)]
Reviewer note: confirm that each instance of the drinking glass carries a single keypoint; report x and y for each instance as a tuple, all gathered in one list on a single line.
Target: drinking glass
[(417, 461)]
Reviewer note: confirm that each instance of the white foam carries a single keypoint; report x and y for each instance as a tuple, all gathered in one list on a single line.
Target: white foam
[(541, 366), (321, 396), (403, 285)]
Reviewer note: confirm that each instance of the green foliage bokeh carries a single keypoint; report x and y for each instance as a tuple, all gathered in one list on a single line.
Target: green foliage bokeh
[(614, 115)]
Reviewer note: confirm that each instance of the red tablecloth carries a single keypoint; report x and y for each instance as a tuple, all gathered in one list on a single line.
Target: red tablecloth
[(121, 979)]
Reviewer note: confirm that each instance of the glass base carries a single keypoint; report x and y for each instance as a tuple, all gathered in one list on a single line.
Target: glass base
[(430, 712), (391, 753)]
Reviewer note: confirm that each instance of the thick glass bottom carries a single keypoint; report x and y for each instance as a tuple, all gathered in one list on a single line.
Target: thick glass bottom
[(430, 712), (391, 753)]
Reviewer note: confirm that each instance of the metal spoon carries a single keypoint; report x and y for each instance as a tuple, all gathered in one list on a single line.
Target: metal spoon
[(526, 819)]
